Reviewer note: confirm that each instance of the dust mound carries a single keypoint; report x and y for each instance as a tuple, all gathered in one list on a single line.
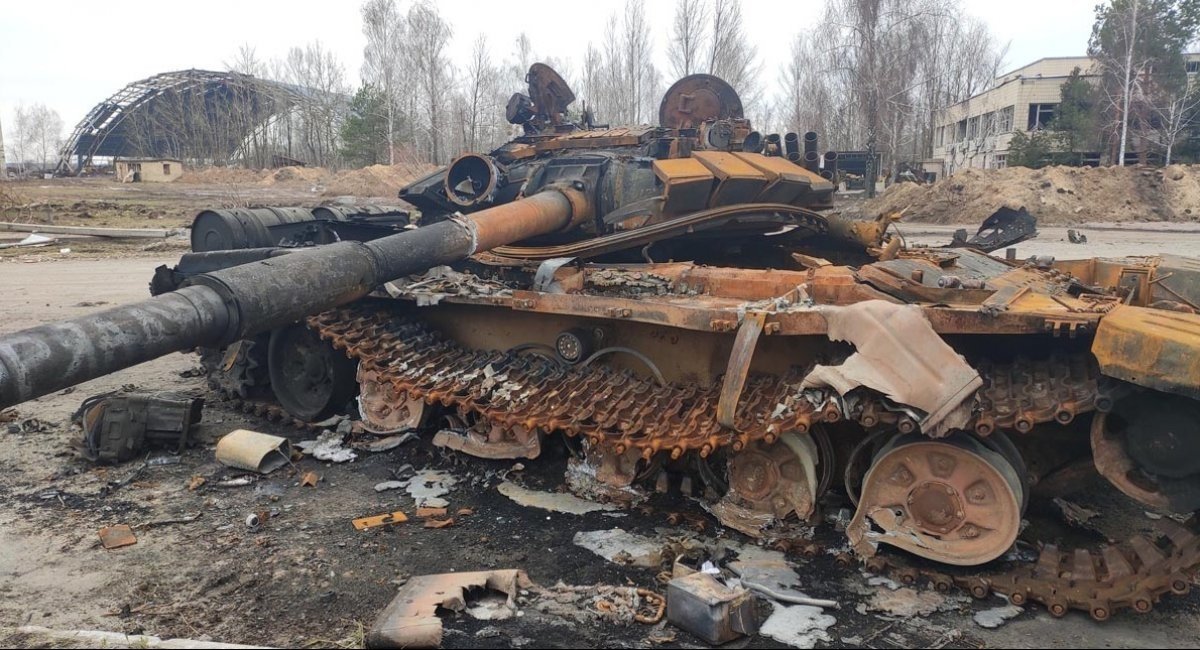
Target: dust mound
[(1055, 195)]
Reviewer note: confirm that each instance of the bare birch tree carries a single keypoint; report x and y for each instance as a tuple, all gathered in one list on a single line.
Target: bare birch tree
[(686, 47), (429, 34), (384, 29)]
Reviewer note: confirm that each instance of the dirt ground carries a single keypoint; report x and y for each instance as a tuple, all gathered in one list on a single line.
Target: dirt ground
[(308, 578)]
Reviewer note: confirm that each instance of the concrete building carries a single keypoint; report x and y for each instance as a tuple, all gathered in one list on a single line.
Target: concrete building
[(147, 170), (976, 132)]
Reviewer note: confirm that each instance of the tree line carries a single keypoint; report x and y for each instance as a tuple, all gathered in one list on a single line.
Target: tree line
[(1141, 103)]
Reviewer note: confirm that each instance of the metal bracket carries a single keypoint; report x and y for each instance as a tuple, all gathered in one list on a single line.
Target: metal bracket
[(543, 280), (739, 366)]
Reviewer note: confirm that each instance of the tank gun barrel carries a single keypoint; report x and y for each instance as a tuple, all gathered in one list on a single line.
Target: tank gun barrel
[(223, 306)]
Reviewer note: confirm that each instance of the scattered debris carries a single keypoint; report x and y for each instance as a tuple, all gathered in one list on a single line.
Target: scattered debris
[(1075, 514), (1076, 237), (775, 579), (390, 485), (117, 427), (31, 241), (117, 536), (98, 639), (428, 486), (387, 443), (310, 479), (799, 626), (411, 621), (552, 501), (1005, 227), (439, 523), (904, 602), (329, 447), (997, 616), (253, 451), (240, 481), (703, 606), (364, 523), (195, 482), (621, 547), (426, 513), (187, 519), (583, 603)]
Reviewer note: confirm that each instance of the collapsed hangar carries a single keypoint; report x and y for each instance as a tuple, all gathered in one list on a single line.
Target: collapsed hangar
[(192, 114)]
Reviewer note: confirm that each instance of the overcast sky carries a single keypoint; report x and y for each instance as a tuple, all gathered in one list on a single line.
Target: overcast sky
[(71, 54)]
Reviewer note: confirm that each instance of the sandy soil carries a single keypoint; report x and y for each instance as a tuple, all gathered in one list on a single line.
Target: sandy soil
[(309, 578)]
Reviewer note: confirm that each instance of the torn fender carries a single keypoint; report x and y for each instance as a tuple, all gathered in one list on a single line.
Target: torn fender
[(899, 354)]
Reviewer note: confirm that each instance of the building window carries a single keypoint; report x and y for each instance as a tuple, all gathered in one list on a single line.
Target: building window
[(1005, 123), (166, 169), (1000, 161), (973, 128), (939, 136), (961, 133), (1041, 115), (988, 125), (1193, 66)]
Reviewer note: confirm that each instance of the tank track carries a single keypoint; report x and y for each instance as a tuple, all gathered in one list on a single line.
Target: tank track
[(625, 411), (1133, 575), (615, 407)]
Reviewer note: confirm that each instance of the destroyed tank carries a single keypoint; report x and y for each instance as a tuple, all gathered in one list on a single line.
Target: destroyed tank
[(680, 300)]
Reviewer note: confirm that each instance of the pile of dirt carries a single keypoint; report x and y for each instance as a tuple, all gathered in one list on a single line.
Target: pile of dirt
[(223, 175), (376, 180), (373, 181), (1055, 195), (304, 175)]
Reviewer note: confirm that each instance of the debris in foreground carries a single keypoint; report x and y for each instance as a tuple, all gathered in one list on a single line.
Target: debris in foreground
[(553, 501), (997, 616), (800, 626), (253, 451), (117, 536), (117, 427), (101, 639), (386, 518), (703, 606), (411, 621), (428, 487), (621, 547), (329, 447)]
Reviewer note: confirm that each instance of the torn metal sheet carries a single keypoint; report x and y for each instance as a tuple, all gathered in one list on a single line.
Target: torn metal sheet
[(552, 501), (899, 354), (117, 536), (411, 621), (253, 451), (799, 626), (329, 447), (621, 547)]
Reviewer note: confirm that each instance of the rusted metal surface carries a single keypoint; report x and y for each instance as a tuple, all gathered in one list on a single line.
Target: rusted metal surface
[(607, 406), (1134, 574), (901, 356), (739, 366), (384, 411), (770, 482), (411, 620), (953, 501), (698, 98), (1151, 347)]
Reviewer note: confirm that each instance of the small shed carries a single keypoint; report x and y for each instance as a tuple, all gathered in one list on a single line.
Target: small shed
[(147, 170)]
